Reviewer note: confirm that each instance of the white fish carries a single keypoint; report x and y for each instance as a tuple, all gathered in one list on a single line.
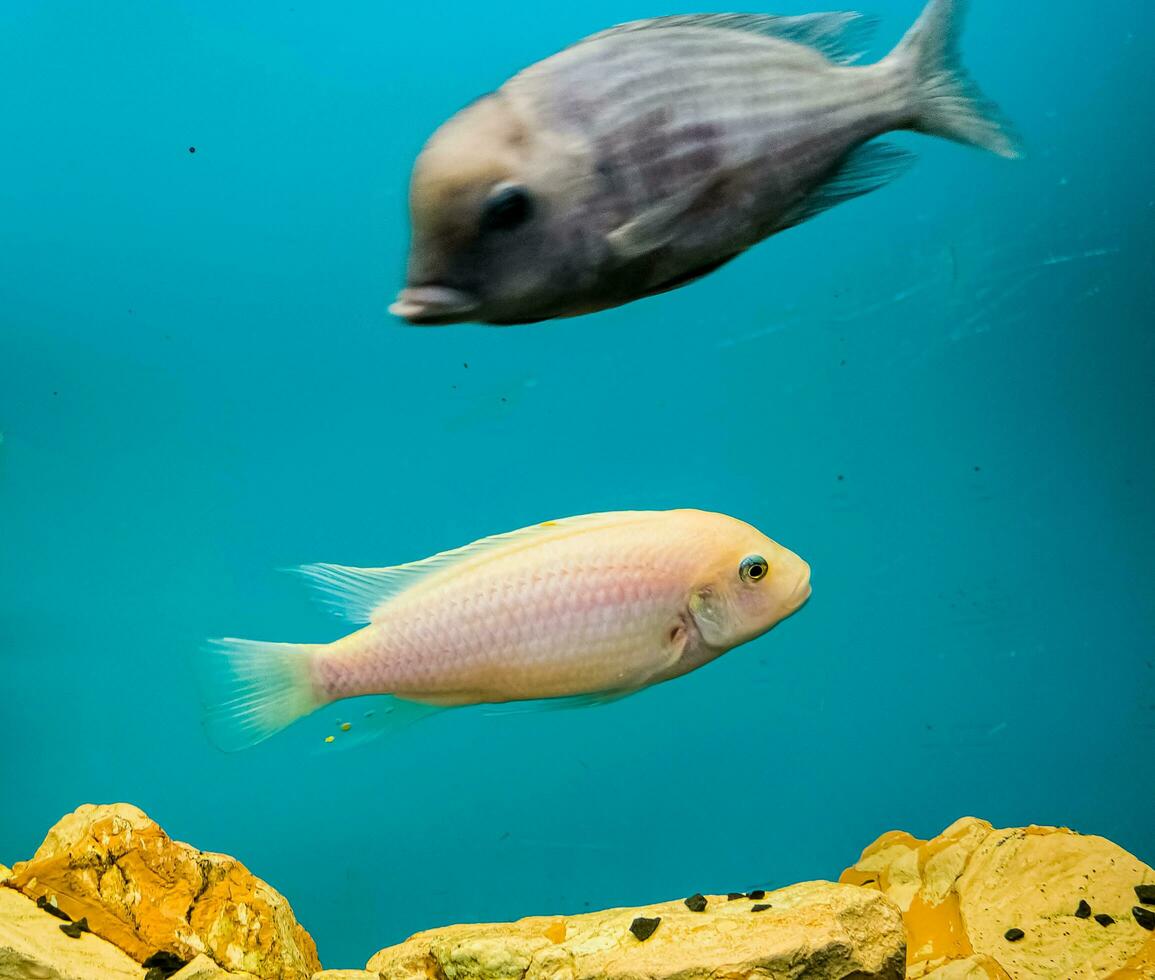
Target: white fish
[(589, 607), (648, 155)]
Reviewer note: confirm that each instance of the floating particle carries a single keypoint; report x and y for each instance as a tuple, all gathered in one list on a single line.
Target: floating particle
[(1084, 910), (328, 738), (1145, 894), (1104, 919), (1145, 917), (71, 929), (465, 363), (1013, 935), (696, 903), (192, 149), (345, 726), (42, 902), (757, 894), (643, 928), (978, 469), (841, 478), (759, 908), (734, 896)]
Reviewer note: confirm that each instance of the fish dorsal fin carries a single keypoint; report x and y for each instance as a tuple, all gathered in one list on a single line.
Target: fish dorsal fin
[(359, 594), (841, 36), (863, 170)]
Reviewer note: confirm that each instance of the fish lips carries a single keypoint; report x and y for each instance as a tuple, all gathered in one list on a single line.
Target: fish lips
[(435, 305)]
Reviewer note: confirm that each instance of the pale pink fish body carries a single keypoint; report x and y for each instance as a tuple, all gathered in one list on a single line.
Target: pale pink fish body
[(603, 604)]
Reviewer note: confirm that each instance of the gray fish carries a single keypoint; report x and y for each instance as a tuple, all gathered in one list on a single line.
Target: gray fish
[(648, 155)]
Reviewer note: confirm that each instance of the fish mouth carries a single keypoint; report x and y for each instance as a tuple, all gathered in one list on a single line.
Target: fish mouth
[(800, 596), (434, 305)]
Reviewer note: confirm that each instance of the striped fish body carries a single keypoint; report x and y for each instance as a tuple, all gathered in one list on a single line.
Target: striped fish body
[(646, 156), (704, 140)]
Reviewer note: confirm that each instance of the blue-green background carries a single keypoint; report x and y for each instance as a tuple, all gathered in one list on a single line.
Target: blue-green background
[(941, 395)]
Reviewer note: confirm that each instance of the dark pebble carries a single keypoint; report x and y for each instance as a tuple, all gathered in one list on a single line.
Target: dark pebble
[(1104, 919), (696, 903), (155, 973), (71, 929), (1145, 917), (82, 924), (643, 928), (733, 896), (1084, 910), (168, 963), (1145, 894), (1013, 935), (759, 908), (757, 895), (43, 903)]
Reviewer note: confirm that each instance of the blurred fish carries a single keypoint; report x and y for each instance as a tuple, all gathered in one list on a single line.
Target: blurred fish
[(588, 608), (648, 155)]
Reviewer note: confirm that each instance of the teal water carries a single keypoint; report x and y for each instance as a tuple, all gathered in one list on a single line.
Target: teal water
[(940, 395)]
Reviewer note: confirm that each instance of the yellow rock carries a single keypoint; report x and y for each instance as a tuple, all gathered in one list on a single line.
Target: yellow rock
[(32, 945), (145, 892), (346, 975), (816, 929), (202, 968), (961, 891)]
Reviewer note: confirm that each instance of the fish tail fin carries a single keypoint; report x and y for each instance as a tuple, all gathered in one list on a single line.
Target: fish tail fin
[(946, 102), (253, 689)]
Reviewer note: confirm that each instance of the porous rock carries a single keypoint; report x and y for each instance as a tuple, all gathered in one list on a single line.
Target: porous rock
[(32, 946), (144, 892), (962, 891), (816, 930)]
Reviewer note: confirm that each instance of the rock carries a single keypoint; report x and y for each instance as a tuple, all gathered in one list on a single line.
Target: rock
[(5, 874), (818, 930), (145, 892), (32, 946), (346, 975), (962, 891), (203, 968)]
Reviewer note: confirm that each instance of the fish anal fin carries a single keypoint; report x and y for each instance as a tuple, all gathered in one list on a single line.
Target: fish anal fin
[(863, 170), (369, 719)]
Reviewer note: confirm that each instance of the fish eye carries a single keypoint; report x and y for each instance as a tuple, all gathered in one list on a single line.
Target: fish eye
[(753, 568), (507, 209)]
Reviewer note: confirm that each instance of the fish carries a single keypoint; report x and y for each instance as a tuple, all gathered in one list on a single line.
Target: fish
[(575, 611), (646, 156)]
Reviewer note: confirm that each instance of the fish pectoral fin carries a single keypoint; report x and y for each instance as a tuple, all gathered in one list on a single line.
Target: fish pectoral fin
[(841, 36), (658, 225), (593, 700), (863, 170), (367, 719)]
